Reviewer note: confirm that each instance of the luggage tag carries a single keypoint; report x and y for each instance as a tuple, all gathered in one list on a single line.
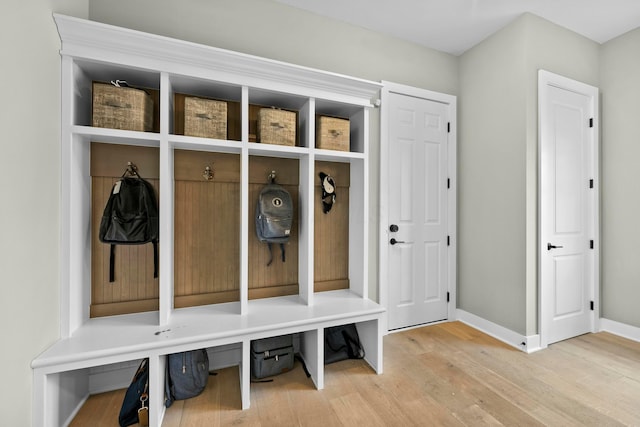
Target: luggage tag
[(116, 188), (143, 412)]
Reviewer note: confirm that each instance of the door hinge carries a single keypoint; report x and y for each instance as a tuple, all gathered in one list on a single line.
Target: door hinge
[(590, 244), (448, 127), (591, 122), (590, 183), (591, 305), (448, 240), (448, 296), (448, 182)]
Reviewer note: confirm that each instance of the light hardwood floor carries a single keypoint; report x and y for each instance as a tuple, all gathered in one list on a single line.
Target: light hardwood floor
[(447, 374)]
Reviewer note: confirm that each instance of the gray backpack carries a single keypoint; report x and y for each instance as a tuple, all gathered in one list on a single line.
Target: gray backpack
[(187, 375), (274, 216)]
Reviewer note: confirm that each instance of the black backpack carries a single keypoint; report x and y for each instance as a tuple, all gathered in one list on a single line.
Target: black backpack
[(341, 343), (274, 216), (187, 375), (130, 218)]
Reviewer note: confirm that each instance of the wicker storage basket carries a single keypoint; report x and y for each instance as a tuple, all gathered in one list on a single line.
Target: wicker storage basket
[(276, 126), (206, 118), (332, 133), (121, 108)]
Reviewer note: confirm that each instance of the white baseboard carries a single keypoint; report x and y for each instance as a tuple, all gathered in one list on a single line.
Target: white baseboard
[(73, 414), (528, 344), (620, 329)]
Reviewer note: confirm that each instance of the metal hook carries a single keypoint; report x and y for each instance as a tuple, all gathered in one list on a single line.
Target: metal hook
[(132, 170), (272, 177), (208, 173)]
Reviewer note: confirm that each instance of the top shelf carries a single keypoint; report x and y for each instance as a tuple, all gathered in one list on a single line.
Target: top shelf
[(141, 51)]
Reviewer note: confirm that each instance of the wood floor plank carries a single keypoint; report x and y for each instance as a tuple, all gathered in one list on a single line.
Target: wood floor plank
[(352, 409), (441, 375)]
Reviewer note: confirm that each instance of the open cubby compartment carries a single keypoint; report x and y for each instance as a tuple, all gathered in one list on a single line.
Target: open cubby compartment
[(341, 235), (353, 113), (85, 72), (181, 86), (260, 98), (331, 228), (280, 278), (134, 288), (81, 383), (206, 241), (81, 210)]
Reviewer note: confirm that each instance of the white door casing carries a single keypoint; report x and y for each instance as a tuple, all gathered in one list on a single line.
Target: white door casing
[(569, 222), (417, 194)]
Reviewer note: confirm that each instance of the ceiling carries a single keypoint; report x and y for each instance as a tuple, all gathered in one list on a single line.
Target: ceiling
[(454, 26)]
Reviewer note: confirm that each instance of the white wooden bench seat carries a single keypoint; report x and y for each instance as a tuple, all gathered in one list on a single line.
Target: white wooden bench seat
[(114, 339)]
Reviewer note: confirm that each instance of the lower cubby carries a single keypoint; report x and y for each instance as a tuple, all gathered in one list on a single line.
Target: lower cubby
[(112, 347)]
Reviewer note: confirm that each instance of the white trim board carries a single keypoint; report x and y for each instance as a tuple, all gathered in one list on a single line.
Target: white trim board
[(528, 344), (620, 329)]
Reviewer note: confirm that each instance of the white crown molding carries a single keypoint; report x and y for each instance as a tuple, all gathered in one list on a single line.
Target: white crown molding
[(82, 38)]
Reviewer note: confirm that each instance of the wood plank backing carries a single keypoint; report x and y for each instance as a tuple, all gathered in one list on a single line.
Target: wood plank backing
[(207, 228), (331, 238), (134, 289)]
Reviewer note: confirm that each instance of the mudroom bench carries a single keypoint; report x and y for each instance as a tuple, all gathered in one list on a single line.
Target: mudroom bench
[(115, 339), (207, 128)]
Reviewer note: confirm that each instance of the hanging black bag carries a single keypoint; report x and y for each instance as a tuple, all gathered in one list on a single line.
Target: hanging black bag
[(341, 343), (134, 408), (130, 217)]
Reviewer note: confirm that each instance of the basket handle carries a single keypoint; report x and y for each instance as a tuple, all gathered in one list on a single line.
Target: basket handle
[(205, 116), (335, 133), (116, 104), (277, 125)]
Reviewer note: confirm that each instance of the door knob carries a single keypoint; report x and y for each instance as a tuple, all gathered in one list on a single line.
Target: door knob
[(393, 241), (550, 246), (393, 228)]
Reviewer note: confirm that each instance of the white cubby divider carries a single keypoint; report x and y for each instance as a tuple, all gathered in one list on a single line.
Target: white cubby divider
[(94, 51)]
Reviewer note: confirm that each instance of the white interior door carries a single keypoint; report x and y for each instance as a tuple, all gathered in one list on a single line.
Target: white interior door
[(568, 207), (417, 227)]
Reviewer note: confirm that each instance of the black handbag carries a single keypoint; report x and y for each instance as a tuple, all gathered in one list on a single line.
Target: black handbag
[(341, 343), (134, 406)]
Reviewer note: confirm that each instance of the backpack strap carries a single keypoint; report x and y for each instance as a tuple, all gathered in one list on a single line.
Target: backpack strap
[(155, 259), (112, 263), (270, 253), (270, 246)]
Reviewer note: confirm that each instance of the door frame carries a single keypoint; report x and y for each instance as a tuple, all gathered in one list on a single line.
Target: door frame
[(547, 79), (383, 201)]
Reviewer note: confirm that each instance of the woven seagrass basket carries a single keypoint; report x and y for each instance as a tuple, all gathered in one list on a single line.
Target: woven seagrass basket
[(332, 133), (206, 118), (121, 108), (276, 126)]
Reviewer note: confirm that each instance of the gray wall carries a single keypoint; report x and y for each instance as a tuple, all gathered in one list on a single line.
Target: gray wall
[(498, 161), (491, 180), (620, 83), (29, 213)]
